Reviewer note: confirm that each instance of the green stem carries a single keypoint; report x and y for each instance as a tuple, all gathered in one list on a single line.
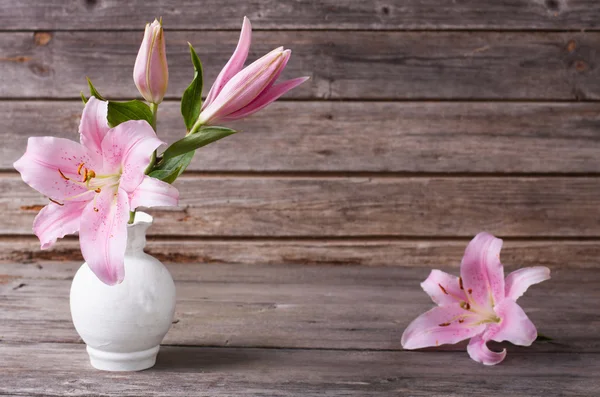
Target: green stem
[(154, 110), (195, 127)]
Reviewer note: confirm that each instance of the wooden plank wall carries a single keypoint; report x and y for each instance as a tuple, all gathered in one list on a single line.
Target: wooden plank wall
[(424, 122)]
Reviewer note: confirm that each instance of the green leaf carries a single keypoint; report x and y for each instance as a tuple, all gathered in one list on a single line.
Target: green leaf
[(167, 170), (202, 137), (191, 101), (83, 98), (119, 112), (93, 91), (543, 338)]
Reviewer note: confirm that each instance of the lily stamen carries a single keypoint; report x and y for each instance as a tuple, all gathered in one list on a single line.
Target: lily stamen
[(56, 202), (63, 175)]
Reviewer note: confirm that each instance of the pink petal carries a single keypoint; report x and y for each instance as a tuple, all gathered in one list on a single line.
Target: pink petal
[(150, 72), (266, 98), (514, 326), (481, 270), (141, 63), (479, 352), (518, 281), (44, 157), (55, 221), (431, 329), (128, 147), (235, 63), (244, 87), (103, 235), (94, 126), (154, 193), (443, 288)]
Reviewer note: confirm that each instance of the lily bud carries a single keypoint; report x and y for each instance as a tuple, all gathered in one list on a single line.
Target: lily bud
[(240, 92), (150, 73)]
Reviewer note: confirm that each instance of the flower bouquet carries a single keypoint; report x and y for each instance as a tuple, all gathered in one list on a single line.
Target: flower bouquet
[(123, 300)]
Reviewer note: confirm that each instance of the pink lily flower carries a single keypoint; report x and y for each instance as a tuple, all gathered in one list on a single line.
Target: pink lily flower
[(480, 305), (150, 72), (238, 92), (92, 186)]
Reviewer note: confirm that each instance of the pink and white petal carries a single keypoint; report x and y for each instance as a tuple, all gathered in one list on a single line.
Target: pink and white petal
[(479, 352), (439, 326), (235, 63), (481, 270), (40, 165), (94, 126), (519, 281), (443, 288), (514, 325), (266, 98), (55, 221), (103, 235), (127, 149), (244, 87), (154, 193)]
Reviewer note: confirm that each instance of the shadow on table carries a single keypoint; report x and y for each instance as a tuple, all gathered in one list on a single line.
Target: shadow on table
[(200, 359)]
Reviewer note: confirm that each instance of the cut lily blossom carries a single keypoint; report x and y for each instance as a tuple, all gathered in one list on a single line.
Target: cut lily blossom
[(92, 186), (480, 305), (150, 72), (237, 92)]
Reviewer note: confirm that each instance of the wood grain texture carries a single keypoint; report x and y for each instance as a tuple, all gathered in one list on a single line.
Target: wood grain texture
[(356, 251), (294, 136), (323, 14), (287, 306), (357, 206), (361, 65), (62, 370)]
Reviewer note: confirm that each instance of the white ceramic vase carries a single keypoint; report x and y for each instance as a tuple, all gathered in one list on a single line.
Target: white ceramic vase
[(124, 324)]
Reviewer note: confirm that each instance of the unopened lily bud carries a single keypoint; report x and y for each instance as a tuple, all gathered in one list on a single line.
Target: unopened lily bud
[(239, 92), (150, 73)]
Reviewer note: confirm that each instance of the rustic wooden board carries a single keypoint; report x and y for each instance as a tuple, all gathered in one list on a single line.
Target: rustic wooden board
[(325, 307), (323, 14), (62, 370), (355, 251), (295, 136), (360, 65), (357, 206)]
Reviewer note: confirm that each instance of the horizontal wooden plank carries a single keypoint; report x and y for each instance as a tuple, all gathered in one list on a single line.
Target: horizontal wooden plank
[(362, 252), (371, 65), (357, 206), (62, 370), (325, 307), (322, 14), (362, 136)]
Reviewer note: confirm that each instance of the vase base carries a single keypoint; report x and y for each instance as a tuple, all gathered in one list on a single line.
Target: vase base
[(131, 361)]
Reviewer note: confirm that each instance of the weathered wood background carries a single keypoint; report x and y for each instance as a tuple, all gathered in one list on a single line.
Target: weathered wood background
[(424, 122)]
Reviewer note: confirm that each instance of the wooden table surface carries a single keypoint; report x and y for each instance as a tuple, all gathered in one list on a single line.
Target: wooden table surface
[(300, 243), (252, 330)]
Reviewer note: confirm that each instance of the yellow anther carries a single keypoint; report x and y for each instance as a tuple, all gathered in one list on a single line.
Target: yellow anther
[(79, 168)]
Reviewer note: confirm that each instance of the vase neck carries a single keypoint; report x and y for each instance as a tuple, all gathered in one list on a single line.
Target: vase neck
[(136, 233)]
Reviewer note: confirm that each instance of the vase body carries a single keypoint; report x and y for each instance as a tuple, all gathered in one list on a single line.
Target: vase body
[(123, 325)]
